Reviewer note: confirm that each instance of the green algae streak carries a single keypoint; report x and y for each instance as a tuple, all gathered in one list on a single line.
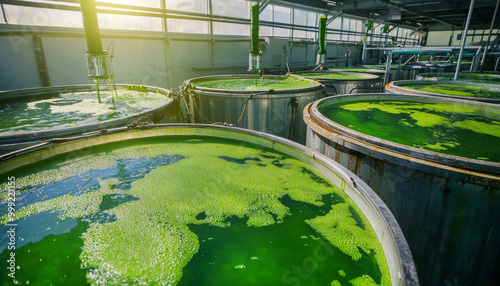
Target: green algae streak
[(453, 89), (255, 84), (470, 77), (74, 109), (336, 75), (460, 131), (150, 242)]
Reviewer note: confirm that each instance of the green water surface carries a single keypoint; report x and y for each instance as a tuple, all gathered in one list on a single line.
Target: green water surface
[(181, 211), (471, 77), (73, 109), (453, 89), (255, 83), (336, 75), (453, 130)]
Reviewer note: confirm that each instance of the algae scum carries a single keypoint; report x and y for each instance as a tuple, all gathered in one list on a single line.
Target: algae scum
[(338, 75), (449, 129), (255, 83), (189, 212), (72, 109), (454, 89)]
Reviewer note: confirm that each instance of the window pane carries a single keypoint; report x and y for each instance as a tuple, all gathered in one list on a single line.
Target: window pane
[(233, 8), (187, 26), (125, 22), (233, 29), (280, 32), (2, 19), (282, 14), (299, 17), (265, 31), (335, 24), (299, 34), (42, 16), (267, 14), (143, 3), (334, 37), (312, 19), (196, 6)]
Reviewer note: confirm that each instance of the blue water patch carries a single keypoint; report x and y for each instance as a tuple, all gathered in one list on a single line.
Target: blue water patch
[(34, 228), (126, 171)]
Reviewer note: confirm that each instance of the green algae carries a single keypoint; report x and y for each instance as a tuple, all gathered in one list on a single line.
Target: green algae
[(450, 129), (340, 228), (453, 89), (336, 75), (363, 281), (362, 70), (74, 109), (150, 242), (255, 83), (470, 77), (342, 273)]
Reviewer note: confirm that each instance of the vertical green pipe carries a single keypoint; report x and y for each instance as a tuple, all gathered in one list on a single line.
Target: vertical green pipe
[(91, 26), (322, 35), (254, 23), (97, 89)]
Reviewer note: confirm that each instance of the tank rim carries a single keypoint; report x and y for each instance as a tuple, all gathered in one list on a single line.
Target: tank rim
[(33, 136), (405, 274), (393, 87), (369, 77), (245, 93), (463, 163)]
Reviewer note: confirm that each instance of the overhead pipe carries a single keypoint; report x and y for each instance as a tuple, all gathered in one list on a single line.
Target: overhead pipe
[(483, 60), (98, 62), (255, 58), (464, 37), (321, 58)]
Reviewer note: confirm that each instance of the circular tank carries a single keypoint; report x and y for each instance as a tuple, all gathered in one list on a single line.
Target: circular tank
[(467, 77), (340, 82), (186, 204), (33, 115), (452, 89), (270, 104), (435, 162), (397, 73)]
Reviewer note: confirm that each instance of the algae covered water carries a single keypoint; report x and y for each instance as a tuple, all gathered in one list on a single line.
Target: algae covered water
[(470, 77), (449, 129), (72, 109), (337, 75), (453, 89), (255, 83), (183, 211)]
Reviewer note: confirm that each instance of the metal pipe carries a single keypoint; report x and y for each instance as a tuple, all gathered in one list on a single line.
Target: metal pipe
[(388, 67), (489, 36), (464, 36)]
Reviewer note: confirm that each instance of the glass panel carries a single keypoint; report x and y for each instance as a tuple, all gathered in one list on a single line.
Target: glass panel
[(280, 32), (233, 29), (2, 19), (299, 17), (196, 6), (187, 26), (312, 19), (42, 17), (282, 14), (265, 31), (125, 22), (233, 8), (267, 14), (143, 3)]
